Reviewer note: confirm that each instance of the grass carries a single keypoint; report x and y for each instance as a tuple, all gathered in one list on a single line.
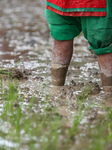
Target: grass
[(26, 126)]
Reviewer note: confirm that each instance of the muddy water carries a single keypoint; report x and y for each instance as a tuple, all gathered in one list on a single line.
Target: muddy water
[(26, 45), (25, 39)]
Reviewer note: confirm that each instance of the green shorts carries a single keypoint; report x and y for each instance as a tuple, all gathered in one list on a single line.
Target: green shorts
[(97, 30)]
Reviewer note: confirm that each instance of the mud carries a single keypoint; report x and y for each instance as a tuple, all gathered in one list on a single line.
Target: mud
[(25, 37), (69, 90), (107, 100), (25, 55), (106, 80), (13, 73)]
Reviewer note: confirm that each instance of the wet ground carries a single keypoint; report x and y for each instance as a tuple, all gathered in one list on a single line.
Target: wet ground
[(25, 54)]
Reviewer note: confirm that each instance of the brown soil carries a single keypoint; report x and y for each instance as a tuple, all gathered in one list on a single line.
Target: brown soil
[(73, 87), (107, 99), (14, 73)]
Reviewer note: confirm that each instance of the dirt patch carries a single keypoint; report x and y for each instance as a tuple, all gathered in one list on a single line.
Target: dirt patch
[(14, 73), (107, 99), (71, 90)]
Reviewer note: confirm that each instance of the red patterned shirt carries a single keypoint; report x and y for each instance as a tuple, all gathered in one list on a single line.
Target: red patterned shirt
[(77, 7)]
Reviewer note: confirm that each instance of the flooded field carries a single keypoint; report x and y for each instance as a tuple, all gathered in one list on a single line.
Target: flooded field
[(76, 117)]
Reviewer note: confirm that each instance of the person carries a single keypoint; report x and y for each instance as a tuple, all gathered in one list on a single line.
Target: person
[(67, 18)]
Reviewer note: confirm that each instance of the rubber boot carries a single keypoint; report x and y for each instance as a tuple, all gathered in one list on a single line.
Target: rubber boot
[(61, 56), (105, 65)]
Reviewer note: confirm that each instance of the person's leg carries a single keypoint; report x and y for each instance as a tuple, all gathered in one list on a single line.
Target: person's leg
[(63, 30), (105, 65), (98, 32), (61, 56)]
